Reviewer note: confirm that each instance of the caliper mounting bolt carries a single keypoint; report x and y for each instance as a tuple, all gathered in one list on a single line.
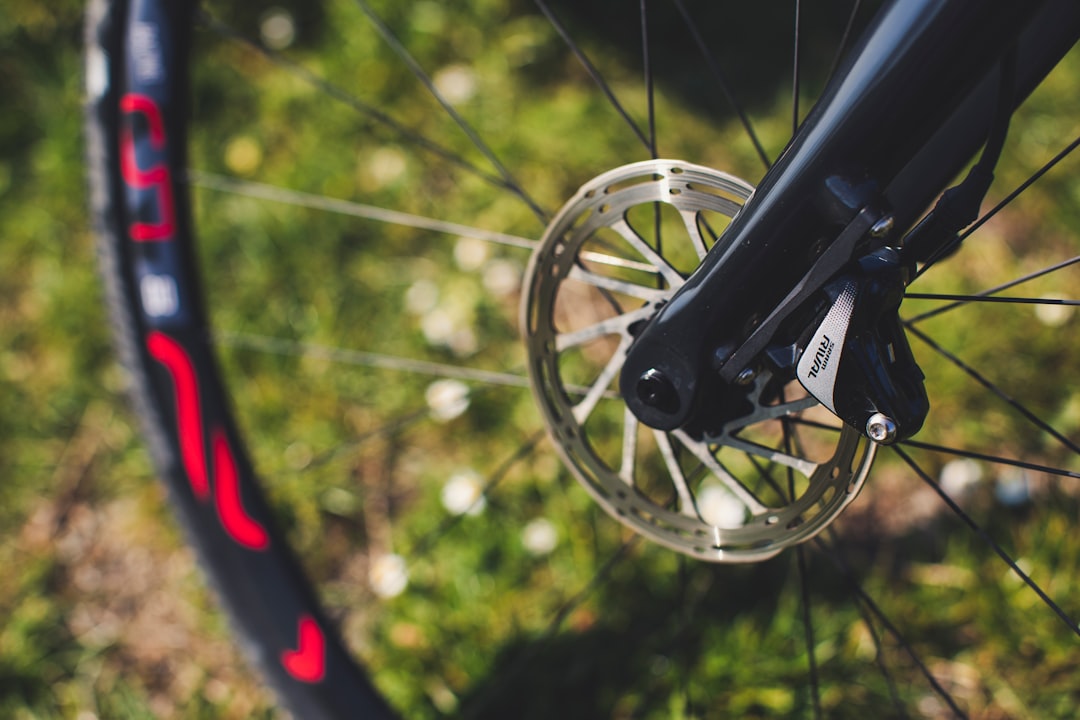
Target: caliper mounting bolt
[(881, 428)]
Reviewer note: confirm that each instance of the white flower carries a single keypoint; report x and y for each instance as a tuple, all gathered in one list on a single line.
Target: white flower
[(471, 253), (447, 399), (719, 507), (277, 29), (463, 494), (388, 575), (1053, 315), (502, 277), (298, 455), (456, 83), (385, 166), (421, 297), (539, 537), (440, 327), (958, 477)]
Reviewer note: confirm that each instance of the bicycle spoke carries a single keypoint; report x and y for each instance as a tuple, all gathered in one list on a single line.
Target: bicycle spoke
[(274, 193), (982, 380), (721, 79), (674, 279), (844, 39), (1022, 187), (868, 623), (593, 72), (985, 537), (338, 94), (814, 424), (808, 630), (995, 459), (867, 605), (406, 57), (651, 96), (689, 600), (388, 429), (993, 299), (782, 410), (789, 443), (795, 76), (1008, 199), (278, 346), (861, 596), (701, 451), (582, 595), (426, 542), (549, 632), (647, 62), (993, 291)]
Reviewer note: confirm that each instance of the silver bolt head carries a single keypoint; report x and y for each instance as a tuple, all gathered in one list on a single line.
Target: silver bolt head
[(746, 376), (883, 226), (881, 429)]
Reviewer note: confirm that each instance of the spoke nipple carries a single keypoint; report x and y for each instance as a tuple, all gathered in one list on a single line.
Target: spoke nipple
[(883, 227), (655, 390), (881, 429)]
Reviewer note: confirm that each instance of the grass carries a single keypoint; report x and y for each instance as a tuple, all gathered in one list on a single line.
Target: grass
[(105, 612)]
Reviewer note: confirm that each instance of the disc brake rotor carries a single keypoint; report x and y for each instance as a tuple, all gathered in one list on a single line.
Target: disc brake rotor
[(616, 252)]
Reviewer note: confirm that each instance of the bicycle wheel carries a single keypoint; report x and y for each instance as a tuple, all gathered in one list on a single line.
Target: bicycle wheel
[(367, 182)]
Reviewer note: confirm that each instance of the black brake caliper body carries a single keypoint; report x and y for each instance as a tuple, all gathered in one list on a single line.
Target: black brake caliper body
[(857, 362)]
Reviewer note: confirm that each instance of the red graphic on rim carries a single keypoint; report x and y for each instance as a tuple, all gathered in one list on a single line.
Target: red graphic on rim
[(157, 176), (307, 663), (239, 525), (189, 420)]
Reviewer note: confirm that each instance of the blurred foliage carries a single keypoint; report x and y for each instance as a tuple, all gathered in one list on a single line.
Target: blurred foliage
[(104, 611)]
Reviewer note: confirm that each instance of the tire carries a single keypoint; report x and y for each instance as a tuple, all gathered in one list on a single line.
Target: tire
[(284, 630), (323, 283)]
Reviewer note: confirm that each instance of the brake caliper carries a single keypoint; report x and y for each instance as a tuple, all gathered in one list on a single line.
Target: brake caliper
[(857, 362)]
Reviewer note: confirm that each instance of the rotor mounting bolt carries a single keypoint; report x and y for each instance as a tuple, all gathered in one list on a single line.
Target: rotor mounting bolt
[(746, 376), (655, 390), (883, 226), (881, 429)]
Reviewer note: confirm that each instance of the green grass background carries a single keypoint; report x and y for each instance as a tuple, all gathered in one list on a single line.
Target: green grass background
[(102, 609)]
